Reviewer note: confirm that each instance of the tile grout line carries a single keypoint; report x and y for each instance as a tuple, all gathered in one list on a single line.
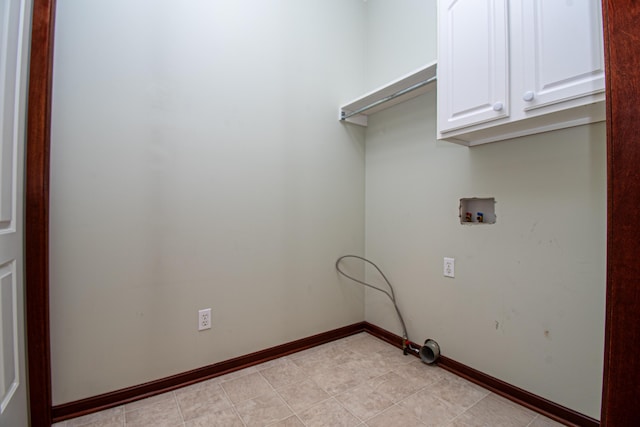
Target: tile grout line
[(364, 421), (233, 405), (399, 407), (280, 397), (175, 398), (347, 409), (309, 378), (392, 402), (471, 406), (533, 420)]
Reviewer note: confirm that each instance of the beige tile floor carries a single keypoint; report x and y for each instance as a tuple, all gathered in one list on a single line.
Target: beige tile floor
[(355, 381)]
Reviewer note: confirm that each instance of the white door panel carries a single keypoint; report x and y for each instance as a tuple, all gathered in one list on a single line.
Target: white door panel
[(14, 34)]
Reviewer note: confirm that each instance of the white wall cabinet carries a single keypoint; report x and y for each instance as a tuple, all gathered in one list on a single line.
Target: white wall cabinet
[(509, 68), (475, 80)]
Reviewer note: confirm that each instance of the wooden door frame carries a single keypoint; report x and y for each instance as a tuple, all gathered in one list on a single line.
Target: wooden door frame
[(622, 343), (37, 213), (621, 380)]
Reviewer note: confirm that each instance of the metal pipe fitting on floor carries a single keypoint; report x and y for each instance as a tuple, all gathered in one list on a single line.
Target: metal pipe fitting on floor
[(429, 352)]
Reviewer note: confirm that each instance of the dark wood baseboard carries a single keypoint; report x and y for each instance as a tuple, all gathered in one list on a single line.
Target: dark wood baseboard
[(522, 397), (152, 388), (383, 334)]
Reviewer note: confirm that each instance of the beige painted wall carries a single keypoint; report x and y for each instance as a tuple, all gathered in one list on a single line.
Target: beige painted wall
[(197, 161), (527, 303), (400, 38)]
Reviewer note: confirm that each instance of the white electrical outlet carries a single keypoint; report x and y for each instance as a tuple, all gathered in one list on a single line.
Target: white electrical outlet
[(204, 319), (449, 267)]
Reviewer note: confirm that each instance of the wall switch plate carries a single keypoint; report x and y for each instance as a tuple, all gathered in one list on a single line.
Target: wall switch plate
[(449, 267), (204, 319)]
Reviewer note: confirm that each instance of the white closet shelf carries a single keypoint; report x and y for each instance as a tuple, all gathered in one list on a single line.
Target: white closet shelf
[(409, 86)]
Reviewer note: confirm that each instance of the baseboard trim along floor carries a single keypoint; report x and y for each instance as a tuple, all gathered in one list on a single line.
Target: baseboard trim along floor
[(119, 397), (522, 397)]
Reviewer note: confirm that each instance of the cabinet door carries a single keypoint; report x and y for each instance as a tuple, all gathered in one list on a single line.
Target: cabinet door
[(473, 75), (562, 51)]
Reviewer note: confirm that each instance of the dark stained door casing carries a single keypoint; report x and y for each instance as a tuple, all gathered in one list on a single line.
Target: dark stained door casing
[(621, 387)]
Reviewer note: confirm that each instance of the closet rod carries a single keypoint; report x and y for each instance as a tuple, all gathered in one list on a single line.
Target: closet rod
[(388, 98)]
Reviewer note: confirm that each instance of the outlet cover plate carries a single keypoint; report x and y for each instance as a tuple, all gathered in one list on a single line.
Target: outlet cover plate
[(449, 267), (204, 319)]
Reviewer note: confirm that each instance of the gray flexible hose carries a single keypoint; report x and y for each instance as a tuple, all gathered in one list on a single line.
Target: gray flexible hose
[(391, 295)]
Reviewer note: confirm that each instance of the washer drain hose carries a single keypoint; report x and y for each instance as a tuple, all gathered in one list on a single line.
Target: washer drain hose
[(406, 343)]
